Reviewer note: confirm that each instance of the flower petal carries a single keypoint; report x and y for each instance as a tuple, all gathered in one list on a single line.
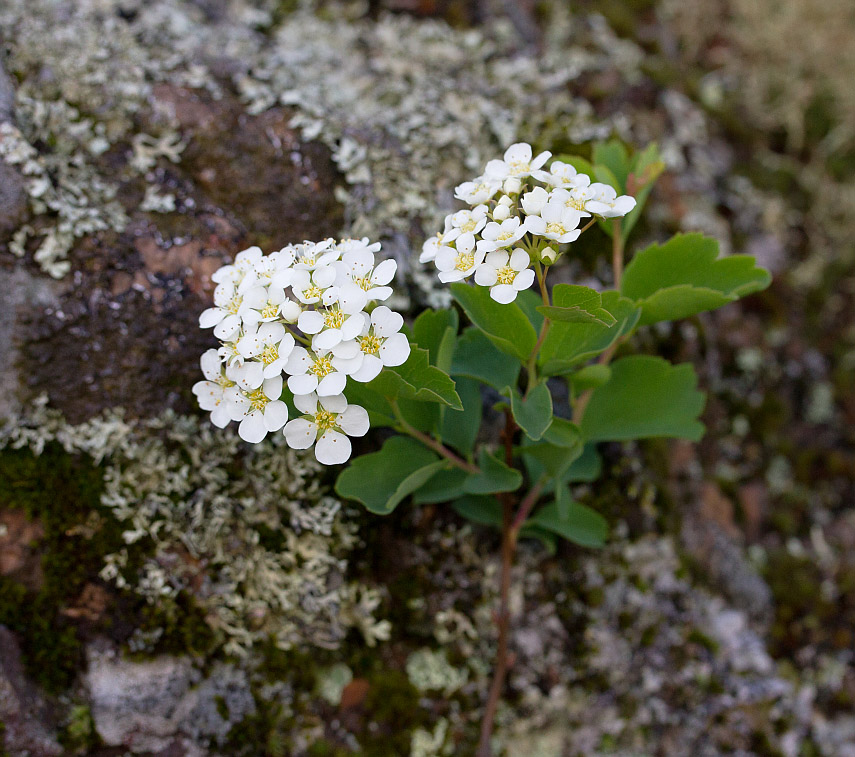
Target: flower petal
[(354, 421), (252, 428), (385, 321), (332, 448), (395, 350), (275, 415), (300, 433), (303, 384), (332, 384)]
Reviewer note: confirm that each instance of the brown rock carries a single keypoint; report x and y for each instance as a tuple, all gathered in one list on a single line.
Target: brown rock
[(354, 693), (19, 555), (754, 500), (718, 509)]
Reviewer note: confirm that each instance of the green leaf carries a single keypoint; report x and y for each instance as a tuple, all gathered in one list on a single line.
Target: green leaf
[(613, 156), (684, 276), (646, 167), (494, 476), (529, 302), (481, 509), (645, 397), (585, 468), (417, 379), (577, 304), (590, 377), (477, 357), (486, 511), (533, 413), (379, 411), (569, 344), (459, 428), (445, 486), (553, 456), (572, 521), (380, 480), (436, 331), (505, 325)]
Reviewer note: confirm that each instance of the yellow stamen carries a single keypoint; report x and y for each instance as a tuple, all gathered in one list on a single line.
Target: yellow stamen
[(370, 344), (325, 420), (257, 399), (464, 261), (234, 304), (505, 275), (270, 310), (555, 228), (333, 319), (270, 354), (322, 366), (312, 292)]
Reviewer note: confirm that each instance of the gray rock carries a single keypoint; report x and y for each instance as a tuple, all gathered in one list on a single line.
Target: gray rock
[(164, 704), (21, 291), (7, 97), (14, 206), (24, 714)]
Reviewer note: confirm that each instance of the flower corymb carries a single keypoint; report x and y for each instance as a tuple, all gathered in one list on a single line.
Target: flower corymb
[(305, 316), (519, 216)]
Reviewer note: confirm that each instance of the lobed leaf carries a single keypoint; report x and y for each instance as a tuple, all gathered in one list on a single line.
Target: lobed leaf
[(478, 358), (380, 480), (505, 325), (494, 476), (577, 304), (645, 397), (417, 379), (533, 413), (572, 520), (685, 276)]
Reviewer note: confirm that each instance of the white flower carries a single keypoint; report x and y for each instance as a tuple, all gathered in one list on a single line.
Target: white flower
[(234, 274), (517, 162), (211, 393), (310, 256), (468, 221), (441, 239), (358, 267), (533, 202), (309, 286), (357, 245), (227, 314), (478, 191), (331, 418), (575, 198), (557, 222), (457, 264), (607, 204), (381, 343), (271, 343), (260, 411), (263, 304), (506, 275), (330, 326), (314, 372), (504, 234), (562, 175)]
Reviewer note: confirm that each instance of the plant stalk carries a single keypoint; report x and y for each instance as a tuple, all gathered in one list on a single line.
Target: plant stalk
[(429, 441)]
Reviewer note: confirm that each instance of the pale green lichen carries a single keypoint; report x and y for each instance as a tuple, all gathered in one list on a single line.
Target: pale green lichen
[(251, 534), (430, 670)]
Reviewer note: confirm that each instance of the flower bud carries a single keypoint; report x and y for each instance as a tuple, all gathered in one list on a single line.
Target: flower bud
[(512, 185), (290, 311), (501, 213), (548, 255), (505, 200)]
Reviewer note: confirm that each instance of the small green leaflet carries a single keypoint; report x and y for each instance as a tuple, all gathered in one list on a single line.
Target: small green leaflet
[(577, 304), (685, 276), (494, 476), (459, 428), (436, 331), (645, 397), (478, 358), (417, 379), (532, 413), (380, 480), (572, 521), (505, 325), (443, 487)]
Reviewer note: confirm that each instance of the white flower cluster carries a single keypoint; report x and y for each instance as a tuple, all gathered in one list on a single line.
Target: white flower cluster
[(519, 215), (310, 312)]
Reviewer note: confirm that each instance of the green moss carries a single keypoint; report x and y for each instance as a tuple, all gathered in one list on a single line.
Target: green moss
[(393, 706), (79, 736), (698, 637), (61, 491)]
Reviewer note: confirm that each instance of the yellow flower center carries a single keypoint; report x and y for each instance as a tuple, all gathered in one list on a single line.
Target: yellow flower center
[(270, 354), (469, 226), (224, 382), (464, 261), (308, 259), (333, 319), (370, 344), (312, 292), (322, 366), (234, 304), (575, 203), (257, 399), (364, 283), (505, 235), (270, 310), (555, 228), (325, 420), (505, 275), (518, 167)]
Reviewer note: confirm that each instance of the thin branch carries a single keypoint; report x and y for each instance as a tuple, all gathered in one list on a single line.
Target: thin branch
[(528, 504), (429, 441)]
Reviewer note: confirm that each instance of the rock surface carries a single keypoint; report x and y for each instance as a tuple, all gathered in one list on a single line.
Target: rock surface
[(26, 718)]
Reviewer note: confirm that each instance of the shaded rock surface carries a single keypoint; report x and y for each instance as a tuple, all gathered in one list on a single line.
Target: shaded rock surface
[(27, 720)]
